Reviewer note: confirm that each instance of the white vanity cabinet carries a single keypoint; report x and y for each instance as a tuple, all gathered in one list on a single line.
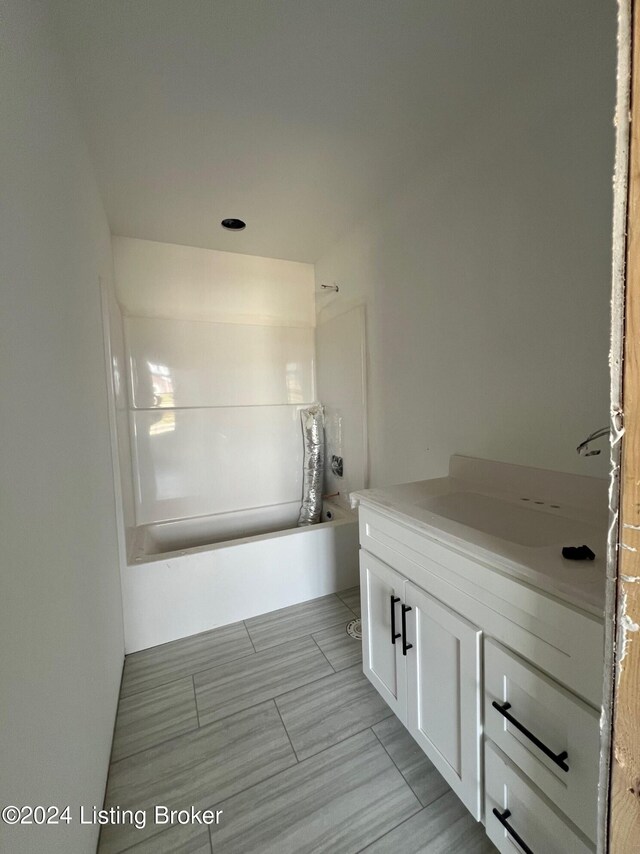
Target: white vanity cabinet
[(498, 683), (424, 659)]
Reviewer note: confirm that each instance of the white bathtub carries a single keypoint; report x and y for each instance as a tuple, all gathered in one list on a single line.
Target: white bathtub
[(184, 535), (191, 575)]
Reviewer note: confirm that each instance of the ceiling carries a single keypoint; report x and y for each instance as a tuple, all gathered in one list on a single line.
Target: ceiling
[(295, 115)]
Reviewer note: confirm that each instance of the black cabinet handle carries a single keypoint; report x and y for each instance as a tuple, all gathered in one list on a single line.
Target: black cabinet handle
[(502, 818), (405, 646), (394, 634), (558, 758)]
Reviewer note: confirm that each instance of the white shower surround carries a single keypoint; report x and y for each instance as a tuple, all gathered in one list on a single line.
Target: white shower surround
[(220, 357), (174, 594)]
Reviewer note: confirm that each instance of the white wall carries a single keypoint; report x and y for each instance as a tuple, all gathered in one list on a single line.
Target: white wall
[(61, 644), (486, 277), (221, 356)]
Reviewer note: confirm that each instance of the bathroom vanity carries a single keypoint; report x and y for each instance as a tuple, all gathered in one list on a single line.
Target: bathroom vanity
[(488, 644)]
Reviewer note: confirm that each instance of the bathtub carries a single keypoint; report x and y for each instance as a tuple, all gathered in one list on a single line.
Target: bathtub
[(190, 575), (224, 529)]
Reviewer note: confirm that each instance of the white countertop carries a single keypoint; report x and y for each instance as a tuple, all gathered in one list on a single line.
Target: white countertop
[(515, 518)]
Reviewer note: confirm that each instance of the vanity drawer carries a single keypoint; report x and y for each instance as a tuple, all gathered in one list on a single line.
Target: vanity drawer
[(527, 817), (529, 716)]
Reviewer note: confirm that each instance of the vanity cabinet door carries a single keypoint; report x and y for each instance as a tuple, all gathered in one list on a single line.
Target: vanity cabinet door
[(382, 595), (443, 692)]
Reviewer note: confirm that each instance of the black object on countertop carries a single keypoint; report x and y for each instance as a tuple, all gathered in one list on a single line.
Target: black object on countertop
[(578, 553)]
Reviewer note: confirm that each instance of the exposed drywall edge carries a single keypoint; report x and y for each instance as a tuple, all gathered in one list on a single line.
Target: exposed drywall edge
[(626, 625), (620, 188)]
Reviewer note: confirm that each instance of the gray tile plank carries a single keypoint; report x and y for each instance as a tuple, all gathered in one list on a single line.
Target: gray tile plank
[(178, 839), (153, 716), (327, 711), (351, 599), (335, 802), (419, 772), (199, 769), (161, 664), (287, 624), (247, 681), (340, 648), (444, 827)]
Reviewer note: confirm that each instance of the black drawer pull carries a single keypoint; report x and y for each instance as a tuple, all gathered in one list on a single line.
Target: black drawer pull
[(405, 646), (558, 758), (394, 634), (502, 818)]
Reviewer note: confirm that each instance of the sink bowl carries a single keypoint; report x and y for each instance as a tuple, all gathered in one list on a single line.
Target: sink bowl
[(508, 521)]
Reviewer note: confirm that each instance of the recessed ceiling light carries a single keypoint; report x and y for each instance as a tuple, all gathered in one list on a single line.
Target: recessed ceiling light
[(233, 224)]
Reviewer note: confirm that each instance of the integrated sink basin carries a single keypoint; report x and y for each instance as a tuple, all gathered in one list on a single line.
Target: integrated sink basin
[(516, 519), (510, 521)]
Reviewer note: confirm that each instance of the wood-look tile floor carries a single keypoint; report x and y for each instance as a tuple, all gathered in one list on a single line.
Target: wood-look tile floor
[(272, 722)]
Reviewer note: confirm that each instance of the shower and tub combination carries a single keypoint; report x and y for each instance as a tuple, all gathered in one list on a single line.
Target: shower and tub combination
[(220, 441), (192, 574)]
